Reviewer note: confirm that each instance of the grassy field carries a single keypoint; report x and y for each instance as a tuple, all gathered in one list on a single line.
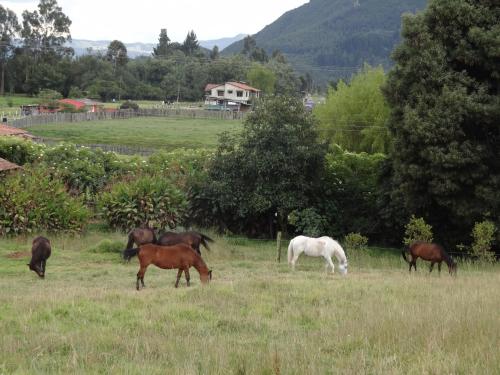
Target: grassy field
[(10, 104), (151, 132), (255, 317)]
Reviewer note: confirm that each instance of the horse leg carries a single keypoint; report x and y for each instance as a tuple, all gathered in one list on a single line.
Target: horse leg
[(431, 267), (330, 263), (179, 274), (186, 274), (439, 268), (140, 277), (294, 259)]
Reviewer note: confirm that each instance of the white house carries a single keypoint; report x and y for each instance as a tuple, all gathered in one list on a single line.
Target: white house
[(235, 96)]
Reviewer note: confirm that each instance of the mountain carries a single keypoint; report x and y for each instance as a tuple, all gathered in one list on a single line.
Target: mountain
[(221, 43), (333, 38), (143, 49)]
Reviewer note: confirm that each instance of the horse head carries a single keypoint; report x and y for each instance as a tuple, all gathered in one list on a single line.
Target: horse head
[(37, 269), (343, 268)]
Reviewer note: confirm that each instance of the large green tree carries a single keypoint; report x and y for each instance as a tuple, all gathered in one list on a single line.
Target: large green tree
[(163, 48), (355, 114), (9, 27), (444, 94), (272, 168)]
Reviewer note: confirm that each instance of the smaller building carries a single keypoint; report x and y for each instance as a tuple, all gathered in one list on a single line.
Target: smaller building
[(6, 166), (230, 96)]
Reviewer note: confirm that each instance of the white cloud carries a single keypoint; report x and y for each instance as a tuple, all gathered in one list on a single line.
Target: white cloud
[(141, 21)]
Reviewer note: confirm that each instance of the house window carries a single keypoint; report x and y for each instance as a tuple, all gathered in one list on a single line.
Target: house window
[(239, 94), (220, 92), (246, 94), (229, 91)]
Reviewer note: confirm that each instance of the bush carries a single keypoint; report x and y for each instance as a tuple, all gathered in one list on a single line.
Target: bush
[(148, 200), (108, 246), (82, 170), (308, 222), (20, 151), (483, 234), (417, 230), (129, 105), (31, 200), (355, 241)]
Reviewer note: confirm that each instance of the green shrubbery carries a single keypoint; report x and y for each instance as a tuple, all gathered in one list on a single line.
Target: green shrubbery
[(31, 200), (147, 200), (20, 151), (355, 241), (417, 230), (484, 236)]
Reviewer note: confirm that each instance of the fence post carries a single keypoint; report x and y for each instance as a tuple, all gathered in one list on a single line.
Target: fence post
[(278, 246)]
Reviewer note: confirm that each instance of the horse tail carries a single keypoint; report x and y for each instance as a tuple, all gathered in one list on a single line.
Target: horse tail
[(403, 253), (204, 240), (290, 252), (130, 253)]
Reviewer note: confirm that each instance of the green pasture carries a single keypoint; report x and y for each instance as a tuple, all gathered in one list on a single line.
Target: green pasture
[(150, 132), (11, 103), (255, 317)]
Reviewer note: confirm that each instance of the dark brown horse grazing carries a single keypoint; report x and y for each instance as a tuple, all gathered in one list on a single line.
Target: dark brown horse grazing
[(193, 239), (139, 236), (179, 256), (40, 252), (432, 253)]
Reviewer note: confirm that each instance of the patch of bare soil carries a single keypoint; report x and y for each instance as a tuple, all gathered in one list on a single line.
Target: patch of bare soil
[(18, 254)]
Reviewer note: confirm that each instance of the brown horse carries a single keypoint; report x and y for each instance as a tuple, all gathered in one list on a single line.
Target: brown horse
[(193, 239), (432, 253), (179, 256), (139, 236), (40, 252)]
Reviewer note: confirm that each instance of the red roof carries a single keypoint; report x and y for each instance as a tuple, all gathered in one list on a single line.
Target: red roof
[(9, 130), (75, 103), (6, 165), (211, 86), (244, 86)]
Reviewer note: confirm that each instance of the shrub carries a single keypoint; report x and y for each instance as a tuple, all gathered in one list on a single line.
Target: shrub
[(82, 170), (148, 200), (483, 234), (31, 200), (355, 241), (20, 151), (108, 246), (129, 105), (417, 230), (308, 222)]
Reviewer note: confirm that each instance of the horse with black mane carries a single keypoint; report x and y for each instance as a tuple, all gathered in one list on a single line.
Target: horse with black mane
[(431, 252), (193, 239), (180, 256), (141, 236), (40, 252)]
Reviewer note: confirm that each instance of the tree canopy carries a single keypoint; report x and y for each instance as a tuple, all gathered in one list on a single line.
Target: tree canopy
[(445, 106), (355, 113)]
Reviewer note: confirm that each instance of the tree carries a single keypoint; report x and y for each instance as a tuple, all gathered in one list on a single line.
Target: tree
[(9, 27), (444, 97), (214, 54), (249, 44), (262, 78), (355, 114), (45, 32), (163, 47), (117, 53), (265, 173), (191, 46)]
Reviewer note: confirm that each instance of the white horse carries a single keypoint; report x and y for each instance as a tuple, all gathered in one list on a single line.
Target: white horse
[(317, 247)]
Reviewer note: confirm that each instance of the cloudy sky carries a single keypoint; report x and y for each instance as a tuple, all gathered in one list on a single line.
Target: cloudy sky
[(141, 21)]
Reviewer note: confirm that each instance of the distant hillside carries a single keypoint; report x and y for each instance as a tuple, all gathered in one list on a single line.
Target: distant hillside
[(144, 49), (331, 38)]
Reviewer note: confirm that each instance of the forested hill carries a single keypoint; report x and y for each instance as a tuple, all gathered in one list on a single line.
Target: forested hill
[(330, 37)]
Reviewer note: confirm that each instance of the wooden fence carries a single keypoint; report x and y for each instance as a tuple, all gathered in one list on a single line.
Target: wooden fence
[(55, 118)]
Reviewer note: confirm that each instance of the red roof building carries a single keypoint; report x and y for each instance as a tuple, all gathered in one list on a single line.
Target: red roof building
[(6, 165)]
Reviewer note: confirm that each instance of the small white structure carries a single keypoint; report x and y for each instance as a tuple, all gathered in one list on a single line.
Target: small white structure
[(234, 96)]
